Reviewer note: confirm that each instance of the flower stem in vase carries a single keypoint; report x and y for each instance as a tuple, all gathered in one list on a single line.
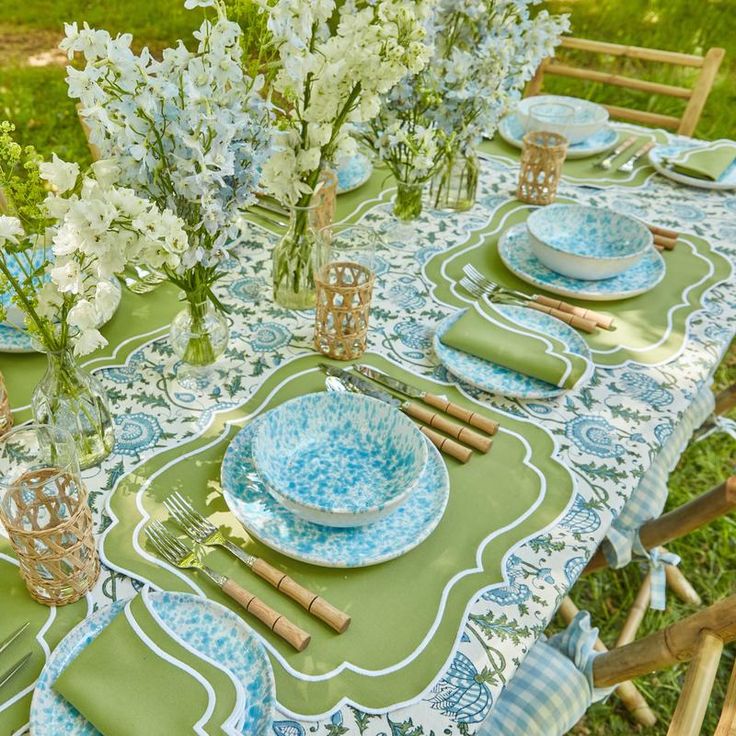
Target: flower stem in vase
[(408, 201)]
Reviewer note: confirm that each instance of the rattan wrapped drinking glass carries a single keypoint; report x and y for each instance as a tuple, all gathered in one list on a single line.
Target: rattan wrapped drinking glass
[(43, 507), (343, 274), (542, 156), (6, 416)]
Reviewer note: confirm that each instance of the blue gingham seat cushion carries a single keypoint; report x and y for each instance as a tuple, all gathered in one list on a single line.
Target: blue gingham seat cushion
[(552, 688)]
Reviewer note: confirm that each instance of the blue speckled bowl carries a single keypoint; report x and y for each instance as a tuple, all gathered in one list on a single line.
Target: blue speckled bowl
[(590, 243), (589, 116), (339, 459)]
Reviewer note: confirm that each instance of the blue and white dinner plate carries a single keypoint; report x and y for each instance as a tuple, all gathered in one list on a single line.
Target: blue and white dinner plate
[(208, 627), (496, 379), (512, 131), (15, 340), (352, 172), (516, 252), (660, 155), (268, 521), (339, 459)]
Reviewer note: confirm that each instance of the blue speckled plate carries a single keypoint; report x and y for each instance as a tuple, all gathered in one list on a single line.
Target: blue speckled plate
[(339, 459), (496, 379), (658, 158), (268, 521), (512, 131), (353, 172), (516, 252), (13, 340), (224, 638)]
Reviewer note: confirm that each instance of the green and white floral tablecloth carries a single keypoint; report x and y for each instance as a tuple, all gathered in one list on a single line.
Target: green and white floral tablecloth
[(435, 634)]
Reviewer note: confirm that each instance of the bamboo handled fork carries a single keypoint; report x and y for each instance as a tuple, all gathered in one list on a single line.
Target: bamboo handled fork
[(591, 319), (203, 531), (176, 553)]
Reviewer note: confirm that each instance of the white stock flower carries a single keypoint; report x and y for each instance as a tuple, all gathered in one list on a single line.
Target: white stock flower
[(88, 341), (10, 229), (83, 315), (67, 277), (60, 174)]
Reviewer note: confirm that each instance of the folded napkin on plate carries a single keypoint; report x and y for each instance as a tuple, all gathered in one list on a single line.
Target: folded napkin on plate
[(705, 162), (486, 333), (135, 678)]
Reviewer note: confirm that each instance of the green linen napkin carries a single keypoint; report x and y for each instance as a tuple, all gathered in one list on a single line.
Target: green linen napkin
[(135, 678), (705, 162), (486, 333)]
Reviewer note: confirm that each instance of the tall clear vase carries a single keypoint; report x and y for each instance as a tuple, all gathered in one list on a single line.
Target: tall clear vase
[(72, 399), (199, 335), (293, 256), (455, 185)]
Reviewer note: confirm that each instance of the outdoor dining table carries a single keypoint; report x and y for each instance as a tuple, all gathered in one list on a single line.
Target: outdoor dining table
[(437, 632)]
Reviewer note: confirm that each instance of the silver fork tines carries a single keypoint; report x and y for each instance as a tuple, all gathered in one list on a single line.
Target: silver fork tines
[(201, 529), (170, 548), (194, 524)]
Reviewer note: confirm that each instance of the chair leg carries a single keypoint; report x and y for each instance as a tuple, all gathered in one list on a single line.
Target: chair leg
[(687, 719), (630, 696), (681, 586), (727, 721), (636, 614), (725, 400)]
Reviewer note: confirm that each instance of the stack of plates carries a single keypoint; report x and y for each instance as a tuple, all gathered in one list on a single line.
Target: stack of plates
[(335, 479), (583, 252), (589, 133)]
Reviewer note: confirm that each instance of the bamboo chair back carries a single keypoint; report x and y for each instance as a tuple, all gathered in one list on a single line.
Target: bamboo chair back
[(696, 96), (700, 639)]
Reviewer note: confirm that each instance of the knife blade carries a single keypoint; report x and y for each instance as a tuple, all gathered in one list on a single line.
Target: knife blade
[(414, 410), (14, 669), (455, 410), (442, 443), (10, 639)]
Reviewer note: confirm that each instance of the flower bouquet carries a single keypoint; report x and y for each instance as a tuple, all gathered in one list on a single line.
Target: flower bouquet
[(336, 62), (484, 52), (59, 253), (191, 132)]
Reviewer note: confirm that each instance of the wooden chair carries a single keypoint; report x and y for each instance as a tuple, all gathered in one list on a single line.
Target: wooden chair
[(557, 681), (692, 515), (699, 638), (696, 96)]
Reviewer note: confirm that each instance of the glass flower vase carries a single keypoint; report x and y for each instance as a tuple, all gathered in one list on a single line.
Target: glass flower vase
[(72, 399), (408, 201), (199, 335), (455, 185), (293, 277)]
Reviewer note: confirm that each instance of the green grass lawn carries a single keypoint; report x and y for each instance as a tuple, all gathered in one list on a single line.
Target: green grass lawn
[(34, 98)]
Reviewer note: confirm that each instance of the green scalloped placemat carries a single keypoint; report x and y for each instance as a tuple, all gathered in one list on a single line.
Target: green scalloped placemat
[(583, 170), (17, 607), (651, 327), (407, 612)]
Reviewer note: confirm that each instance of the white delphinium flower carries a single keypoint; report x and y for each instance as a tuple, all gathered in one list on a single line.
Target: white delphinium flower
[(484, 52), (191, 132)]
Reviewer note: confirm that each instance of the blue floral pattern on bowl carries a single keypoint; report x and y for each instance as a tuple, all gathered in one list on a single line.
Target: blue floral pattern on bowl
[(497, 379), (659, 157), (587, 242), (208, 627), (273, 525), (512, 131), (516, 252), (353, 172), (339, 459)]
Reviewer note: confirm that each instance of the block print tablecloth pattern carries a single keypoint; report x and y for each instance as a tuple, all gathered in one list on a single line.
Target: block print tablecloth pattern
[(606, 435)]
